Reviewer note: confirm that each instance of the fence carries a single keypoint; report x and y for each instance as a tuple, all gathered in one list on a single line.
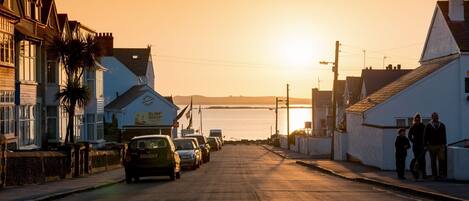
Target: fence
[(33, 167)]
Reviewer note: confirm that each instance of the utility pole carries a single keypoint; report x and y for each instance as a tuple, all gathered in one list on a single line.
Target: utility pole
[(312, 110), (384, 60), (334, 96), (276, 116), (288, 115)]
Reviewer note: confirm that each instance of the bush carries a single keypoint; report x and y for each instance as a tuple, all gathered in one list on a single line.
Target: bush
[(292, 136)]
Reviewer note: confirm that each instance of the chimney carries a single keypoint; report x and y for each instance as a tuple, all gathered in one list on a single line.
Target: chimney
[(456, 10), (105, 43)]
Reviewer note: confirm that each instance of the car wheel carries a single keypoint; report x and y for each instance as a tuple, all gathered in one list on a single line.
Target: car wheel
[(128, 178), (208, 159), (172, 175), (197, 164), (136, 178), (178, 175)]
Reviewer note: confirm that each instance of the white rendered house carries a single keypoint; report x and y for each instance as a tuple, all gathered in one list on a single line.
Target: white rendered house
[(440, 84)]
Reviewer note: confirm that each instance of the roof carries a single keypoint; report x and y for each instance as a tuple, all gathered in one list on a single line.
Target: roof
[(460, 29), (45, 10), (62, 19), (375, 79), (135, 59), (353, 87), (130, 95), (322, 98), (401, 84), (169, 98)]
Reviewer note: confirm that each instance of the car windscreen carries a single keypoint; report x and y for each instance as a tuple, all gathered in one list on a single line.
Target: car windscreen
[(148, 143), (200, 139), (184, 144)]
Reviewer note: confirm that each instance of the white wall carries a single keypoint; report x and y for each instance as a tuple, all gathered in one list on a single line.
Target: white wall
[(117, 78), (340, 146), (439, 92), (458, 165), (158, 105), (314, 146), (440, 41)]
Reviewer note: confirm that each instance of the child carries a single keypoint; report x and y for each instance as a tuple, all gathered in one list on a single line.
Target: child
[(401, 144)]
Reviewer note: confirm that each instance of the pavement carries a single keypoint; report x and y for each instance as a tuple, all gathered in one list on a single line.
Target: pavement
[(439, 190), (62, 188), (245, 172)]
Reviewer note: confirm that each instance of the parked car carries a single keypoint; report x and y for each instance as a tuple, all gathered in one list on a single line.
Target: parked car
[(214, 144), (217, 133), (189, 152), (219, 142), (203, 144), (151, 155)]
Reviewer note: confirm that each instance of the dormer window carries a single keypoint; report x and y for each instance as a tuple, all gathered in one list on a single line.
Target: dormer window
[(27, 8), (32, 9)]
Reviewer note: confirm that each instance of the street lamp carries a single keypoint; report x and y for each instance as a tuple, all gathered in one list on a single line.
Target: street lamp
[(334, 100)]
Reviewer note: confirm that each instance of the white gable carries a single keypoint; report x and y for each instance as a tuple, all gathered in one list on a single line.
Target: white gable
[(440, 41)]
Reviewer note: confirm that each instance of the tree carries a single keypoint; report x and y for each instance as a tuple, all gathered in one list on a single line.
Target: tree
[(77, 55)]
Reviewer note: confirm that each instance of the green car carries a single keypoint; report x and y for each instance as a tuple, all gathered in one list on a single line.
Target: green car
[(151, 155)]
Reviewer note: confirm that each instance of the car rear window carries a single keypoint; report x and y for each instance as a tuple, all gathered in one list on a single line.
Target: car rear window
[(150, 143), (184, 144), (212, 140)]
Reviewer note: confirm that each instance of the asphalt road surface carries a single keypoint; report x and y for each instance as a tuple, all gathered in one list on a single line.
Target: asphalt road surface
[(244, 172)]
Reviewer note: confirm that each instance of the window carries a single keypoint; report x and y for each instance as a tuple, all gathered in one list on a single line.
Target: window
[(90, 125), (6, 49), (401, 123), (27, 124), (27, 61), (51, 72), (100, 127), (467, 84), (78, 126), (51, 122), (7, 120), (27, 8)]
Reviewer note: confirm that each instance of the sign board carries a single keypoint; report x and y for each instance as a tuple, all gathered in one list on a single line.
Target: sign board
[(148, 118), (307, 124)]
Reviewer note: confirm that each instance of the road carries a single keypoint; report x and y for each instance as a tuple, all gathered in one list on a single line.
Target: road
[(244, 172)]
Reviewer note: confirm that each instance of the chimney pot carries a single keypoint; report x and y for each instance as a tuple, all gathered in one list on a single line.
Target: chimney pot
[(456, 10)]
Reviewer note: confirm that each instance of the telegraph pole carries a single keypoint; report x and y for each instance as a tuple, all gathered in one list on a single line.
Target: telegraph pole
[(276, 116), (288, 116), (334, 96)]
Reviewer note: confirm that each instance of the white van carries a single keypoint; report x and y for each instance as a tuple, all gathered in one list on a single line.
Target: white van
[(217, 133)]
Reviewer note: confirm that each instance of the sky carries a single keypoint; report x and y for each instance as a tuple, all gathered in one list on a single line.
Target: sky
[(256, 47)]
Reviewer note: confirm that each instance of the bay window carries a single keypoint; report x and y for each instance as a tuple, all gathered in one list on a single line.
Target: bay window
[(26, 128), (27, 61), (7, 47)]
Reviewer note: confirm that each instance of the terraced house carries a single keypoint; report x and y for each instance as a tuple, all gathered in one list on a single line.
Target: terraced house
[(8, 18), (31, 75)]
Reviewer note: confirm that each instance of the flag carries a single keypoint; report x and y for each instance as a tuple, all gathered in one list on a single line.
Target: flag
[(181, 113)]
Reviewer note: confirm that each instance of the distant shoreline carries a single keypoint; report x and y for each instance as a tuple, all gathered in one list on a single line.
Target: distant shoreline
[(250, 107)]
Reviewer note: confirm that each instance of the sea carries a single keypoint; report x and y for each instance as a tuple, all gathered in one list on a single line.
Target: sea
[(245, 122)]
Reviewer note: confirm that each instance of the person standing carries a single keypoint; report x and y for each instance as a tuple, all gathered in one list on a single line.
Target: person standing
[(435, 140), (401, 145), (416, 136)]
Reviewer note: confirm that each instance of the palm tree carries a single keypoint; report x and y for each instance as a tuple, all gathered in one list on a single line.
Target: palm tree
[(77, 55)]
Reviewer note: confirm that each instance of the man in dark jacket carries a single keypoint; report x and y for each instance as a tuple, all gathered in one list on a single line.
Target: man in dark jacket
[(401, 145), (435, 140), (418, 146)]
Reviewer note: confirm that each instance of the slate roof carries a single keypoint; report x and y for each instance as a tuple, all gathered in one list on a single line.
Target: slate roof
[(130, 95), (375, 79), (138, 65), (126, 98), (401, 84), (353, 87), (460, 30)]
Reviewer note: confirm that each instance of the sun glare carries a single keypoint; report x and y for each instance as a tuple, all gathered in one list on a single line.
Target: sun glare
[(297, 50)]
